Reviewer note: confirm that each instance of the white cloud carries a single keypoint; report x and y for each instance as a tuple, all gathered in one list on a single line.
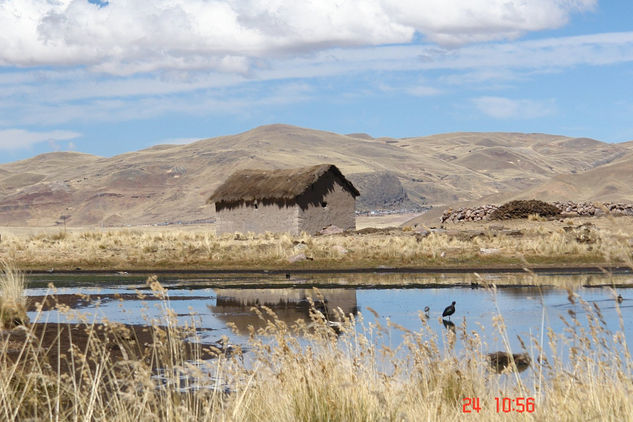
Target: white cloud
[(13, 139), (506, 108), (126, 37), (233, 100), (419, 88), (479, 76), (54, 97), (499, 61), (423, 91), (457, 22)]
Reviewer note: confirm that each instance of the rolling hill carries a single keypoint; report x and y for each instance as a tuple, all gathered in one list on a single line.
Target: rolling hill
[(610, 182), (170, 183)]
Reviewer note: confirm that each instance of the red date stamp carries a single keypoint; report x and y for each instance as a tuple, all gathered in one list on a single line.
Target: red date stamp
[(503, 404)]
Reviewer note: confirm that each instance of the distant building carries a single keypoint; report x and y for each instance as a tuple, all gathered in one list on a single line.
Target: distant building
[(290, 200)]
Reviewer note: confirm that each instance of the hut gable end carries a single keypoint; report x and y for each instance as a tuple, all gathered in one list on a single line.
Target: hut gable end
[(287, 187)]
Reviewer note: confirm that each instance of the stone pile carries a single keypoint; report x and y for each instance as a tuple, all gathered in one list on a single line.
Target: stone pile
[(594, 208), (468, 214), (567, 209)]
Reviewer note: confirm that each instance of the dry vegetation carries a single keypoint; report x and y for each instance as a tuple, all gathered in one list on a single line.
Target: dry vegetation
[(307, 372), (12, 300), (534, 242)]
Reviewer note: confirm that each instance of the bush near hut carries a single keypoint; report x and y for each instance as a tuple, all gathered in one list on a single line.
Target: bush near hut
[(524, 208)]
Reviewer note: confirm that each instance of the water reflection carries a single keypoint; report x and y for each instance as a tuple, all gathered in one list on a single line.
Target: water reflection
[(449, 325), (502, 361), (528, 312), (526, 291), (235, 305)]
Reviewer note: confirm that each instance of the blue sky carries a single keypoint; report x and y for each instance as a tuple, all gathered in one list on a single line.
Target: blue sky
[(110, 77)]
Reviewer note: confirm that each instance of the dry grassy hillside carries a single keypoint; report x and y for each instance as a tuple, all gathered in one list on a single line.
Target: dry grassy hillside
[(170, 183), (611, 182)]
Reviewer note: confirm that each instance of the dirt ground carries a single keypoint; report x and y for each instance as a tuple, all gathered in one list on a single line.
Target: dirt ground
[(621, 224), (393, 220)]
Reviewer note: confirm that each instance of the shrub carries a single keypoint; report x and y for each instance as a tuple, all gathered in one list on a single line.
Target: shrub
[(523, 209)]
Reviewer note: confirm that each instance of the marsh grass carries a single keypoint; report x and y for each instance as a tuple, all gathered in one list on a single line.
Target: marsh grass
[(12, 299), (537, 244), (307, 371)]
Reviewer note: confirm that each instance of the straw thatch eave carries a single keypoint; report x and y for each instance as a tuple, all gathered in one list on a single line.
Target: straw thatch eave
[(282, 187)]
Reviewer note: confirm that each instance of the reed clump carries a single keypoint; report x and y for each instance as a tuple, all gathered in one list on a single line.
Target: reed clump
[(12, 299), (314, 370)]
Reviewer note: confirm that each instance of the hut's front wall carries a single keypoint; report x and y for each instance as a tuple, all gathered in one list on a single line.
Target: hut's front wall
[(264, 218), (336, 208)]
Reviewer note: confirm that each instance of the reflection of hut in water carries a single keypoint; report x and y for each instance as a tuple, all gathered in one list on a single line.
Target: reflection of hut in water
[(234, 305), (527, 291)]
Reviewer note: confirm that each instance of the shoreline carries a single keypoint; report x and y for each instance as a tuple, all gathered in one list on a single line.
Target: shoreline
[(358, 278), (576, 269)]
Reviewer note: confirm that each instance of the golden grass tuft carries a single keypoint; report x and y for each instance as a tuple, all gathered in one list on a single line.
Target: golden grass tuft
[(12, 299)]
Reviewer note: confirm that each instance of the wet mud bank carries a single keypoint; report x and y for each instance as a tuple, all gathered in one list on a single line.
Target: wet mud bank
[(578, 269), (65, 347)]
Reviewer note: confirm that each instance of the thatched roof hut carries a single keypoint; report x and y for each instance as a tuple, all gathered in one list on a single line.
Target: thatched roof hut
[(297, 192), (275, 186)]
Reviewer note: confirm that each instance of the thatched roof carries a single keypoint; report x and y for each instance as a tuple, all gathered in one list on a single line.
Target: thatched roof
[(276, 185)]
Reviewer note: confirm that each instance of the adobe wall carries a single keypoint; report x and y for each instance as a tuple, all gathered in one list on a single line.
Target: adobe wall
[(340, 211), (265, 218)]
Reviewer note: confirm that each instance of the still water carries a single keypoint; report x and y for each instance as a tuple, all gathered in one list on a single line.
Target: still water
[(528, 311)]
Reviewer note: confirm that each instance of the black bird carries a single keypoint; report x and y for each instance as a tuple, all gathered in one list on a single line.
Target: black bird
[(426, 311), (450, 310), (620, 299)]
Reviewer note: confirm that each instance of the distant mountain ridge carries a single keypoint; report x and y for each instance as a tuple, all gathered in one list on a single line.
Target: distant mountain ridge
[(170, 183)]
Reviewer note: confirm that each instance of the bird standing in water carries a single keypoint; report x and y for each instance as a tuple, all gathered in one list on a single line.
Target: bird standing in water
[(450, 310)]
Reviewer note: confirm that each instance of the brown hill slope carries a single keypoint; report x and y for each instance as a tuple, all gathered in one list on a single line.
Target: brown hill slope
[(611, 182), (169, 183)]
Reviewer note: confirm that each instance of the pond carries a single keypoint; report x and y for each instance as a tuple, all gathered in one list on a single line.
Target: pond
[(529, 304)]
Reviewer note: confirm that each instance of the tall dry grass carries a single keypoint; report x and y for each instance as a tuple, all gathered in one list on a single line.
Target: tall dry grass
[(538, 244), (12, 299), (306, 371)]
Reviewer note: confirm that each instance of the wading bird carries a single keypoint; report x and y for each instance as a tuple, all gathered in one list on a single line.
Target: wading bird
[(450, 310)]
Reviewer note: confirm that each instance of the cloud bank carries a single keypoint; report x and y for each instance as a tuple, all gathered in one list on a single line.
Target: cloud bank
[(124, 37), (14, 139), (507, 108)]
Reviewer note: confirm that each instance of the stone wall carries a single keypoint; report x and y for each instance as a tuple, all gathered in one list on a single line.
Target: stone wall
[(247, 218), (339, 210), (568, 209)]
